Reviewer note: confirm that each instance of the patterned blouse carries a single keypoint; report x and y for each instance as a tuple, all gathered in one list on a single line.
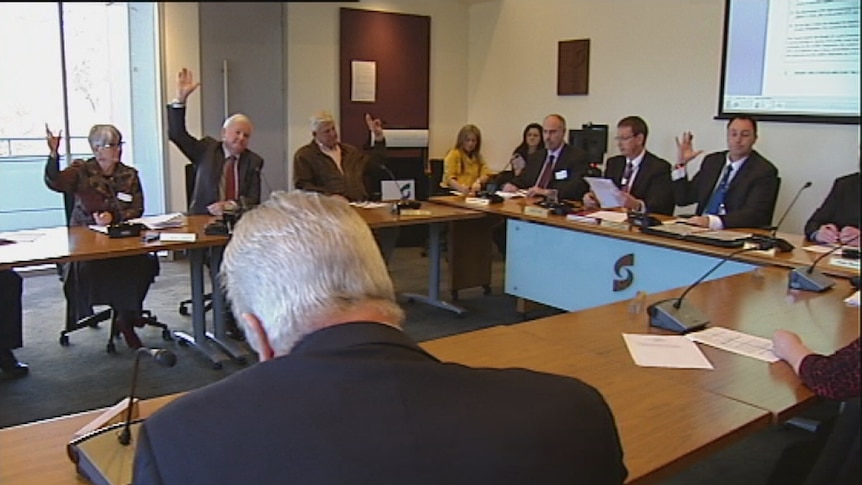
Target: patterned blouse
[(835, 376)]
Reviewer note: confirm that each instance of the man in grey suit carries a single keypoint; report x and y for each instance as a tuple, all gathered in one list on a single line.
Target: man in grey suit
[(342, 395), (227, 173)]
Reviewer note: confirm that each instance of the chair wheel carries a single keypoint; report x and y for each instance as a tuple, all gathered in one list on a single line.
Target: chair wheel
[(111, 348), (487, 289), (454, 295), (184, 311), (64, 340), (166, 335), (217, 365)]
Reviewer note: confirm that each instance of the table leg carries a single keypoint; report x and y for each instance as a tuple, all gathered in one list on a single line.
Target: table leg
[(235, 350), (198, 339), (433, 297)]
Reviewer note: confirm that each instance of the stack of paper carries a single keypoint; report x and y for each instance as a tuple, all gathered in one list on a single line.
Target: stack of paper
[(737, 342), (166, 221)]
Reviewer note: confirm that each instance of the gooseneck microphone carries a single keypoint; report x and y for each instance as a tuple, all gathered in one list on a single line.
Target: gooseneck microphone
[(770, 241), (809, 279), (676, 314), (163, 357)]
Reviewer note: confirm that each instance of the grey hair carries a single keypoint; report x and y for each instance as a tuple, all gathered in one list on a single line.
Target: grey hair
[(239, 117), (319, 118), (299, 257), (101, 135)]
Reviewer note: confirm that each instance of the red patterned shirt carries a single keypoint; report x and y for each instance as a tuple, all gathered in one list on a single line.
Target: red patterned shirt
[(835, 376)]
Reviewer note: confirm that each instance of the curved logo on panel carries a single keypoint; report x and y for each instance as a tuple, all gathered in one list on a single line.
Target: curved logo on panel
[(625, 277)]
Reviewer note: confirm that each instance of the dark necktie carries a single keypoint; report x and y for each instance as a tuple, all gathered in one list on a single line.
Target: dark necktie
[(230, 178), (627, 177), (717, 200), (547, 170)]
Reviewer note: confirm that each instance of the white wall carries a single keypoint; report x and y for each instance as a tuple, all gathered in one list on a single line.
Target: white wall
[(312, 65), (180, 48), (494, 64), (659, 59)]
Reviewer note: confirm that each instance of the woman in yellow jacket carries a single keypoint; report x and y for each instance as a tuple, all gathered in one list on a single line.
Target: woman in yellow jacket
[(464, 168)]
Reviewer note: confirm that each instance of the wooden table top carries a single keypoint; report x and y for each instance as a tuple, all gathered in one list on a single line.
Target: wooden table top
[(756, 303), (63, 244), (384, 217), (663, 426), (514, 208), (36, 452)]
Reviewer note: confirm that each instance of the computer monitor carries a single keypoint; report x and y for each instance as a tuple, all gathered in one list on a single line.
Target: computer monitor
[(592, 139)]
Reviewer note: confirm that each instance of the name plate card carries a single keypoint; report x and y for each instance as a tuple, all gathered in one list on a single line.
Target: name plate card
[(535, 211), (476, 201)]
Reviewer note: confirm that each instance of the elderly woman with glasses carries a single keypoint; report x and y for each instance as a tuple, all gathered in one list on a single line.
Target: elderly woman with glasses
[(105, 192)]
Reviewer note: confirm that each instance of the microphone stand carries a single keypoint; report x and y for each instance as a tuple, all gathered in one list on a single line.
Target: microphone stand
[(679, 316), (770, 241), (809, 279)]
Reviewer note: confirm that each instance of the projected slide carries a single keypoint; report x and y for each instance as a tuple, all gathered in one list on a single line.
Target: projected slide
[(792, 58)]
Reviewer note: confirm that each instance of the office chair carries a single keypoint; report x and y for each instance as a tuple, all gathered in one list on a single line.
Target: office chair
[(185, 305), (78, 318)]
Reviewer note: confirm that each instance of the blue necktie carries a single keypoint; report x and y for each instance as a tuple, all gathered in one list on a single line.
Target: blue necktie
[(717, 199)]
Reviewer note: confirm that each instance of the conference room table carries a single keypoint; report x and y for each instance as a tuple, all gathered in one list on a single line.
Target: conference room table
[(461, 253), (573, 265), (67, 244), (667, 418)]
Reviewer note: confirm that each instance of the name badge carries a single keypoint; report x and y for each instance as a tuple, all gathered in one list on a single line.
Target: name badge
[(561, 175), (124, 197)]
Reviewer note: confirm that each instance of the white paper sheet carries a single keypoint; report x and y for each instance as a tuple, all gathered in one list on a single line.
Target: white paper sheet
[(853, 300), (511, 195), (611, 216), (363, 81), (736, 342), (368, 205), (607, 193), (164, 221), (672, 351)]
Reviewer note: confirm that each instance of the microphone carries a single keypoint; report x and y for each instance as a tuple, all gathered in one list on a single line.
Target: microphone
[(809, 279), (405, 202), (676, 314), (771, 241), (164, 358)]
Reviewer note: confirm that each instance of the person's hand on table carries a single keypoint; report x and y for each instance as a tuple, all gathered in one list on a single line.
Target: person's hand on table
[(788, 346), (103, 218), (700, 221), (849, 235), (510, 188), (590, 201), (217, 208), (827, 234), (631, 202), (536, 191)]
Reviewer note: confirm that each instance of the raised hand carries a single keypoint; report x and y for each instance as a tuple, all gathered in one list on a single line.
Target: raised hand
[(53, 141), (185, 84), (685, 151), (375, 126)]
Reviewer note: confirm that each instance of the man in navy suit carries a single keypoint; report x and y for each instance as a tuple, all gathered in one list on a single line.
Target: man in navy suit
[(559, 166), (643, 178), (733, 188), (342, 395)]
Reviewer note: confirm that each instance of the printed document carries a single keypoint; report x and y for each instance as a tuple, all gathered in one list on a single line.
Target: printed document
[(607, 193), (737, 342), (673, 351)]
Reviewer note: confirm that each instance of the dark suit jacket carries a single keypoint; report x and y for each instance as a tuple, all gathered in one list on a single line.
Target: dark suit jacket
[(652, 183), (207, 155), (572, 159), (360, 403), (841, 206), (750, 198)]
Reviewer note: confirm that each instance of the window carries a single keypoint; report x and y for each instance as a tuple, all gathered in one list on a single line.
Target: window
[(72, 66)]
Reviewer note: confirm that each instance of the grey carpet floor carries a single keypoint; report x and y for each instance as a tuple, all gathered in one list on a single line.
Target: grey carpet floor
[(82, 376)]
